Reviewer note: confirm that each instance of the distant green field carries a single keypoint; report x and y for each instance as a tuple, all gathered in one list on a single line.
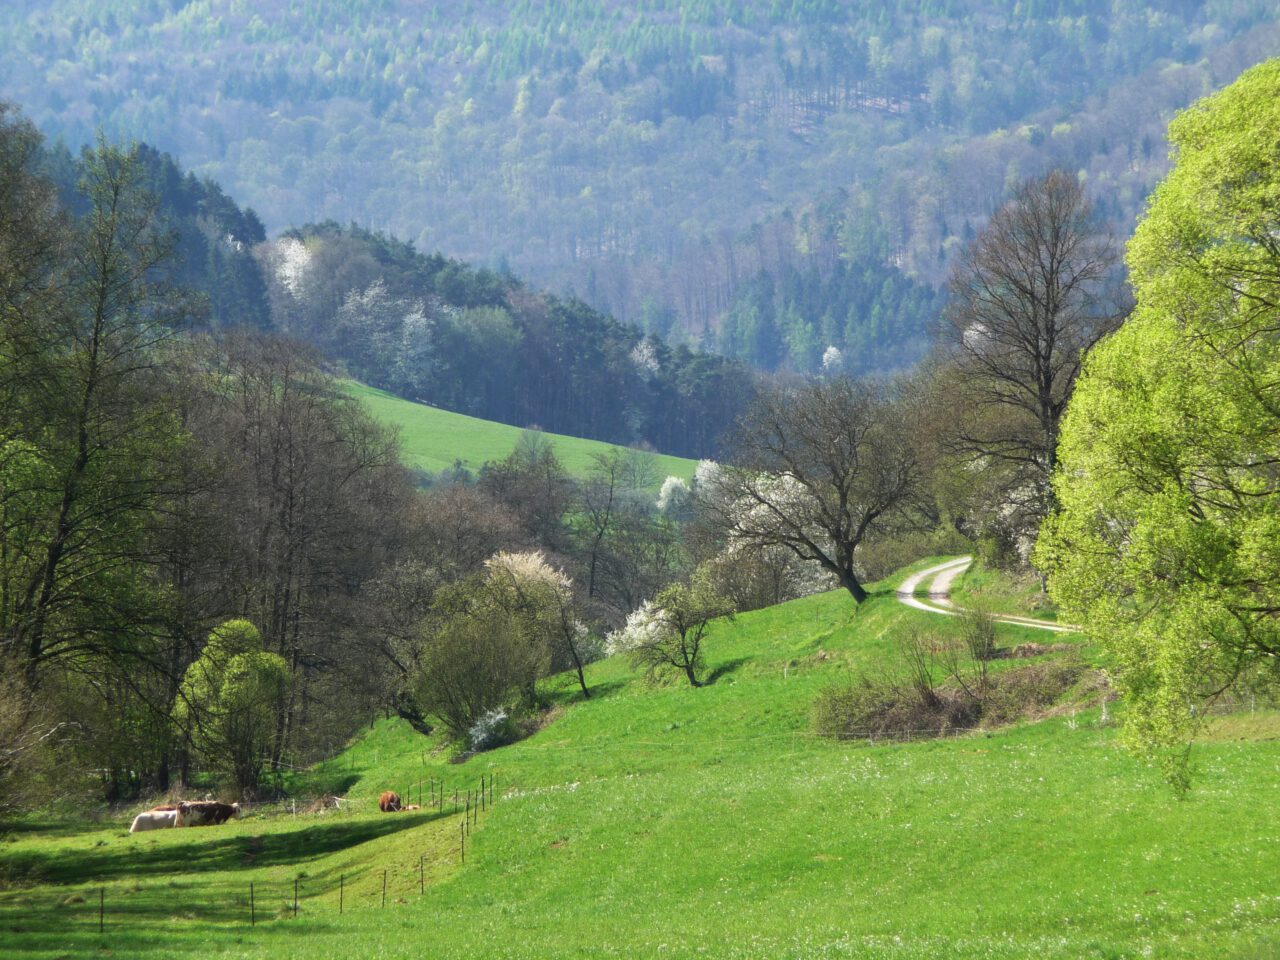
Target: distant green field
[(672, 822), (433, 439)]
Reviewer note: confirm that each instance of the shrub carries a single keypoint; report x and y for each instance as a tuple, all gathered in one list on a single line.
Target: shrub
[(978, 631), (916, 703), (1028, 690), (494, 729)]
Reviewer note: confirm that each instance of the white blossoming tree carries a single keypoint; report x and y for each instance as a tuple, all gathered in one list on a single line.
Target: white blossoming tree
[(818, 469), (674, 495), (666, 635)]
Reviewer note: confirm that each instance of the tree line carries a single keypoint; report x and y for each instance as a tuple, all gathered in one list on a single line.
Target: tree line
[(211, 558)]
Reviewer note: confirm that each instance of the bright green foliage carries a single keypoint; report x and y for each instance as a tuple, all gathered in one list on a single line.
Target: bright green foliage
[(1168, 543), (232, 698), (491, 637)]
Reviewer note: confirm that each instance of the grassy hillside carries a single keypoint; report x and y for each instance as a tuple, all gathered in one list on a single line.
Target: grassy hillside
[(670, 821), (433, 439)]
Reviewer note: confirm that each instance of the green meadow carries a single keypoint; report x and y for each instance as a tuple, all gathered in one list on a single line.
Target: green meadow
[(667, 821), (434, 440)]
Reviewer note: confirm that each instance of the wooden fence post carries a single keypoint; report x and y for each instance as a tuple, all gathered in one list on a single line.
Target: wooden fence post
[(342, 882), (253, 918)]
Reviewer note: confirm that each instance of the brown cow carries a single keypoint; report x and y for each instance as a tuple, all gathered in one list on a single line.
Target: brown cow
[(202, 813), (389, 802)]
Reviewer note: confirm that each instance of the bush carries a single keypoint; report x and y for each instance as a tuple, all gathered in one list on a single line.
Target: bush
[(873, 708), (494, 729), (916, 703), (978, 630), (1028, 690)]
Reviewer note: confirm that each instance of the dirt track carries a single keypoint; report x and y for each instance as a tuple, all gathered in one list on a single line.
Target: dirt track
[(940, 579)]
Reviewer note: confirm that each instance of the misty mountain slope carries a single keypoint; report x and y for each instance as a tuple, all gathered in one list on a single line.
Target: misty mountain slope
[(665, 163)]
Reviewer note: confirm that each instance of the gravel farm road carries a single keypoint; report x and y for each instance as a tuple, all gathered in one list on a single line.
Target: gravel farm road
[(938, 601)]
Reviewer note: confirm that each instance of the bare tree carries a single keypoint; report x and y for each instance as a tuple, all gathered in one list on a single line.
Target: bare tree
[(1029, 297), (818, 469)]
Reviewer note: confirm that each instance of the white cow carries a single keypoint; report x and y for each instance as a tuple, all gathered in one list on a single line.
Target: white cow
[(157, 820)]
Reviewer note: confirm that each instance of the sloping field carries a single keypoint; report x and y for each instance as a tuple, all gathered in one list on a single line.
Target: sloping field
[(674, 822), (434, 439)]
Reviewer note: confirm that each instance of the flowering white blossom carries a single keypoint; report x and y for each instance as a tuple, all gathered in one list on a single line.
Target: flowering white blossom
[(645, 357), (707, 473), (529, 567), (489, 731), (292, 260), (832, 359), (644, 626), (673, 495)]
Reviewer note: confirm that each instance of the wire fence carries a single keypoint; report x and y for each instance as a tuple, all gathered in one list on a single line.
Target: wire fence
[(84, 907)]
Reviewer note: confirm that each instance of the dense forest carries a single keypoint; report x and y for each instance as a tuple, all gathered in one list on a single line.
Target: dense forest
[(197, 522), (766, 179), (428, 327)]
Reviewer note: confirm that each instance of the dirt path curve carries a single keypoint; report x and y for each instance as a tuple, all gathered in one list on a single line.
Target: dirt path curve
[(940, 580)]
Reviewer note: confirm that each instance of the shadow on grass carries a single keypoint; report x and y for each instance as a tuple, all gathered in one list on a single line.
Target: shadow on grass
[(141, 928), (136, 858), (724, 669), (599, 691)]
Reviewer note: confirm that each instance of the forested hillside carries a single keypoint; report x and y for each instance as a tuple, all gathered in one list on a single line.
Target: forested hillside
[(430, 328), (771, 179)]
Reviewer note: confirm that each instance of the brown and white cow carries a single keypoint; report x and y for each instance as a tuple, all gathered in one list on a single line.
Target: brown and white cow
[(389, 802)]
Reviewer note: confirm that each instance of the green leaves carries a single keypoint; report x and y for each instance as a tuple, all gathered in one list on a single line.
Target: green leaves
[(1167, 545), (231, 700)]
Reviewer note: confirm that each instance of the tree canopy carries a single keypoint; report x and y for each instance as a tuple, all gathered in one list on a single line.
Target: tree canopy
[(1166, 545)]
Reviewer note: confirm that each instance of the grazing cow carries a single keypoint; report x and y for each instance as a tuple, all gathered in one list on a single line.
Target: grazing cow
[(156, 820), (203, 813), (389, 802)]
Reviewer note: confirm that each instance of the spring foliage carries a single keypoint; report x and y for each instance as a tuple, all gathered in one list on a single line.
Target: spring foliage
[(232, 699), (1167, 546)]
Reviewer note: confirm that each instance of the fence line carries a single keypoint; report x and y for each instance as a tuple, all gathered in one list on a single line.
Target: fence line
[(265, 892)]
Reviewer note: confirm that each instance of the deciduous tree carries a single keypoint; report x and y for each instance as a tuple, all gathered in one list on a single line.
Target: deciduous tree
[(818, 468), (1030, 296), (1165, 547), (666, 635)]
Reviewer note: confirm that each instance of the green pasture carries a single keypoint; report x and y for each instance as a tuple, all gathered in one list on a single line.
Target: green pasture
[(998, 592), (433, 439), (673, 822)]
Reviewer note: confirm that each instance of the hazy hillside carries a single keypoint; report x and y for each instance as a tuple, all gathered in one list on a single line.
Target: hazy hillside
[(792, 168)]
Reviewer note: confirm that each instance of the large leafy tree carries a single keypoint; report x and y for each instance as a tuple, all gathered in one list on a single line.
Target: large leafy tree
[(88, 444), (1167, 544)]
